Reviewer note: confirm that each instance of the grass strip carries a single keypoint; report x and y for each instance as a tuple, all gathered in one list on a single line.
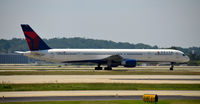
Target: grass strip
[(95, 86), (118, 72), (111, 102)]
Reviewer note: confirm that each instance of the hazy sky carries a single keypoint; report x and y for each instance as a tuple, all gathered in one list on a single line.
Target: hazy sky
[(156, 22)]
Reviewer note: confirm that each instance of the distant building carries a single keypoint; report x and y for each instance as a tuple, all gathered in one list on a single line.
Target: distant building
[(12, 58)]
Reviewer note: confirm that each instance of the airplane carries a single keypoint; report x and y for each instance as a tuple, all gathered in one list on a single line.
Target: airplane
[(109, 57)]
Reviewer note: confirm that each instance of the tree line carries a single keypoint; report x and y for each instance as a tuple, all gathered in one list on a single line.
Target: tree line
[(16, 44)]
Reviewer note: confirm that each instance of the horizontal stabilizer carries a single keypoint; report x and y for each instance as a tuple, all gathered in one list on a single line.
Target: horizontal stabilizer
[(20, 52)]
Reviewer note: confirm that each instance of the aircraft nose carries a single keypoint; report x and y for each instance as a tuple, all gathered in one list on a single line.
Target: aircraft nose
[(187, 59)]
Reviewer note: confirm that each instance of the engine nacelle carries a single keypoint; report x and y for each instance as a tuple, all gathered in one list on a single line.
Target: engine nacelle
[(114, 65), (129, 63)]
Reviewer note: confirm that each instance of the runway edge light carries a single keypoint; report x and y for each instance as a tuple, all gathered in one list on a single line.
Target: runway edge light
[(150, 98)]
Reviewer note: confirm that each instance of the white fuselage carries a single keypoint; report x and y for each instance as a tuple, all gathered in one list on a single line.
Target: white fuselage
[(140, 55)]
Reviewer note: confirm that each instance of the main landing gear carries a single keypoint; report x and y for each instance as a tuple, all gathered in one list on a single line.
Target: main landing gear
[(108, 65), (98, 67), (172, 66), (106, 68)]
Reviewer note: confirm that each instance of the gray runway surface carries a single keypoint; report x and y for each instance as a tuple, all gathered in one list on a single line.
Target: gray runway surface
[(99, 93), (157, 79), (85, 67), (89, 98)]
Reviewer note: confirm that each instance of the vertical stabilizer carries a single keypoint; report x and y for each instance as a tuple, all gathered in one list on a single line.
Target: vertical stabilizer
[(34, 41)]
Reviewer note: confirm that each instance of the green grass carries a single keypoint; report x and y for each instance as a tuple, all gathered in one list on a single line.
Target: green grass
[(96, 86), (112, 102), (114, 72)]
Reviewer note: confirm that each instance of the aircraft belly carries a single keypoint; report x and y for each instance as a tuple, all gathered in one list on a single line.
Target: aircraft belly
[(150, 58), (64, 58)]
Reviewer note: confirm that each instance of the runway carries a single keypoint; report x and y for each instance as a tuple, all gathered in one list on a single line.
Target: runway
[(19, 96), (99, 93), (28, 96), (91, 98), (146, 79), (86, 67)]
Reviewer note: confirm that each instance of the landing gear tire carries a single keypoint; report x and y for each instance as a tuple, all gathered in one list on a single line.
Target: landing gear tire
[(172, 66), (108, 68), (98, 68)]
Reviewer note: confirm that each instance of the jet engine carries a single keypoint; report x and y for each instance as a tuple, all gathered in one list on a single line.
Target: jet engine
[(129, 63)]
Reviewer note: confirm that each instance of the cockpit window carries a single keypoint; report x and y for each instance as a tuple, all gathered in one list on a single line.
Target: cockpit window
[(183, 54)]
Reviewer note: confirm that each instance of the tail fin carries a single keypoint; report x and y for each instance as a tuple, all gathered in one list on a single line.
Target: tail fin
[(34, 41)]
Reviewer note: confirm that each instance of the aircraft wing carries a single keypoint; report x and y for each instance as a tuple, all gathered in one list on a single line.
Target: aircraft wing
[(114, 58)]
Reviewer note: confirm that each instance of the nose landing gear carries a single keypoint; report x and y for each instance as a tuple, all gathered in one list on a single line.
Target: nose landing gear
[(172, 66)]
